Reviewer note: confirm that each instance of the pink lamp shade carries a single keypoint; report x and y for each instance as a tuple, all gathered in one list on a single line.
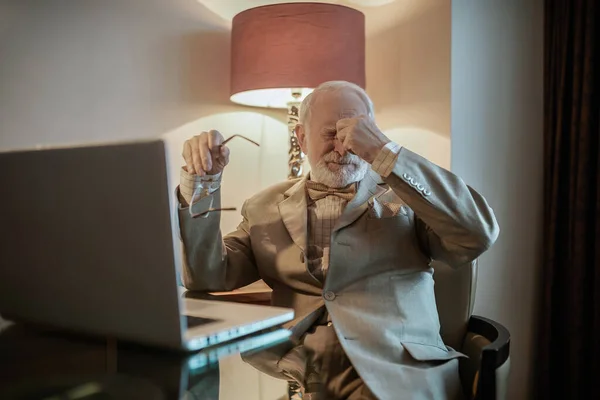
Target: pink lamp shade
[(281, 47)]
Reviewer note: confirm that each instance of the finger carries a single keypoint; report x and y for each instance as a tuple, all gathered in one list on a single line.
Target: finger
[(205, 153), (342, 133), (218, 164), (214, 139), (196, 157), (343, 123), (222, 159), (224, 156), (345, 138), (187, 157), (347, 143)]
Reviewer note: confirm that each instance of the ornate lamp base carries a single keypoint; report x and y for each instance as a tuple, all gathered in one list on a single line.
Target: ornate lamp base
[(296, 156)]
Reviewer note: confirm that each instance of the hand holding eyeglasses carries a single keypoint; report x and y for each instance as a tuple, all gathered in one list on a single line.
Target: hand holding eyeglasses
[(206, 154)]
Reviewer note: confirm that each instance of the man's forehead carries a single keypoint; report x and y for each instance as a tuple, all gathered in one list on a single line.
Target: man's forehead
[(328, 108), (331, 118), (348, 113)]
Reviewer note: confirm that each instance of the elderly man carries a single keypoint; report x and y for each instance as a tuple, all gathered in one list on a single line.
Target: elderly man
[(348, 247)]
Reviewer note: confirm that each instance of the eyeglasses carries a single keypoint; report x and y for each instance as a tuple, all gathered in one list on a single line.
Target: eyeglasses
[(200, 188), (240, 136)]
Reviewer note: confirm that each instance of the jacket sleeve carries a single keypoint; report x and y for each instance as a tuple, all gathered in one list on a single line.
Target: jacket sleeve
[(212, 263), (454, 223)]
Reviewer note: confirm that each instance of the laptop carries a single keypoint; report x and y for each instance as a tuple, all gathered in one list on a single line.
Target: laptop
[(89, 243)]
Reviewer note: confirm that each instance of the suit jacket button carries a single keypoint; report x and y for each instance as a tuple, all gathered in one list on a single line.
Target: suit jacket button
[(329, 295)]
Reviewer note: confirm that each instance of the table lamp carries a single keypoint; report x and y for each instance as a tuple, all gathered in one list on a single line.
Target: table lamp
[(281, 52)]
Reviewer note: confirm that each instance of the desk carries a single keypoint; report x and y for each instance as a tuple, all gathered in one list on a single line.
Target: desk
[(39, 363), (252, 294)]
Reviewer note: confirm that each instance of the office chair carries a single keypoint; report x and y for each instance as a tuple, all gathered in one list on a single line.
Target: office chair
[(484, 374)]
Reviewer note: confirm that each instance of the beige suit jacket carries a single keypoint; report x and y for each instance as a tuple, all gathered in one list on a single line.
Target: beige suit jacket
[(379, 287)]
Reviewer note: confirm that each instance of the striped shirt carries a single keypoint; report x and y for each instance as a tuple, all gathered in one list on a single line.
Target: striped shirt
[(322, 217)]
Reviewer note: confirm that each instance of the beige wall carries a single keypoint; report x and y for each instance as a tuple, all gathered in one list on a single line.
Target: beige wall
[(79, 71), (497, 53), (408, 78)]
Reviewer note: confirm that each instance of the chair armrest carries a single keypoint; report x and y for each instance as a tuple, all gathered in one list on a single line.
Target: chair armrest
[(495, 350)]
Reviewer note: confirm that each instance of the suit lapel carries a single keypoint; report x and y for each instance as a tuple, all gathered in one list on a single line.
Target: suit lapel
[(293, 211), (367, 188)]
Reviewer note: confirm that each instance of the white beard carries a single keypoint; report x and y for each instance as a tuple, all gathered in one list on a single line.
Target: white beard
[(355, 171)]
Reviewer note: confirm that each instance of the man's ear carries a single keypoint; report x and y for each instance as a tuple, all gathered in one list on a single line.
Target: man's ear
[(301, 135)]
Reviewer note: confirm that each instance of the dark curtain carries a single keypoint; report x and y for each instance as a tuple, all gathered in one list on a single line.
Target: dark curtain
[(569, 347)]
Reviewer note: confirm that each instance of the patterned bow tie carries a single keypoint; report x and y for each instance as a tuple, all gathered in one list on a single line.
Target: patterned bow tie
[(318, 191)]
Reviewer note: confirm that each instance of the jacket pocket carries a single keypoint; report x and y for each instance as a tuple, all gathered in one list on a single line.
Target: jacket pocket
[(426, 352)]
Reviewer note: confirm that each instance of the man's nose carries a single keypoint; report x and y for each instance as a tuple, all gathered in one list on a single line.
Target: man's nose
[(339, 147)]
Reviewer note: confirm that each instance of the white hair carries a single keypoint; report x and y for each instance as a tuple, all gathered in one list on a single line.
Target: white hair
[(333, 86)]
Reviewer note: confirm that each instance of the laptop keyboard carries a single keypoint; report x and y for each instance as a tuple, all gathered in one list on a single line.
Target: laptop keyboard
[(193, 322)]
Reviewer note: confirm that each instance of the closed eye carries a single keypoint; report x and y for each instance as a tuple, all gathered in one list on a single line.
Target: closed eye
[(329, 135)]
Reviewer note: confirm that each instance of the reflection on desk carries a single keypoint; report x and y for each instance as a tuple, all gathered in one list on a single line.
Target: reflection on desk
[(41, 363)]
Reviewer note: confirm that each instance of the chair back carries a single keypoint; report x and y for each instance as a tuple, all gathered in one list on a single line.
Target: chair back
[(455, 296)]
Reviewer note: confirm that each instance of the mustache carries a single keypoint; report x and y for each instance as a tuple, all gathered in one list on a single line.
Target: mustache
[(348, 158)]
